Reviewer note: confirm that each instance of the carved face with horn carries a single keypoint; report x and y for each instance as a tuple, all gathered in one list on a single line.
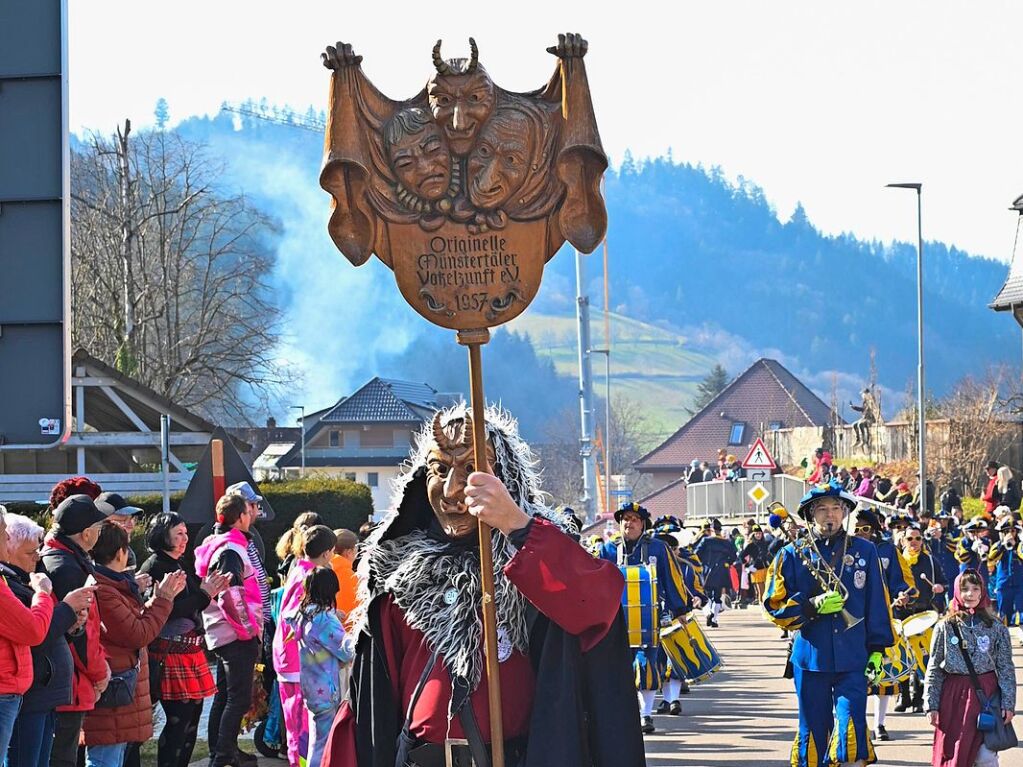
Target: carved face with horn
[(461, 98), (448, 467)]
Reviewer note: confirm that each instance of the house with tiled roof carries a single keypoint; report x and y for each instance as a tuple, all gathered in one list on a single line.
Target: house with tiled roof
[(1010, 297), (367, 435), (763, 398)]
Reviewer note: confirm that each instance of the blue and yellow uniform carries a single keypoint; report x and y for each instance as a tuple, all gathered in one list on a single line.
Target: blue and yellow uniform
[(671, 592), (673, 682), (944, 553), (692, 573), (829, 660), (1005, 563), (898, 576), (971, 553)]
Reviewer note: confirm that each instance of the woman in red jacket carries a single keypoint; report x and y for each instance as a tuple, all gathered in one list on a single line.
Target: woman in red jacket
[(129, 624), (21, 629)]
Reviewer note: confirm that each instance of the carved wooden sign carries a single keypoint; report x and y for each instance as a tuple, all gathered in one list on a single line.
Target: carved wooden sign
[(465, 190)]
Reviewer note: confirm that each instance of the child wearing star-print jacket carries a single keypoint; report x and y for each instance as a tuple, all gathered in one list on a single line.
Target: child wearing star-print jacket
[(324, 651)]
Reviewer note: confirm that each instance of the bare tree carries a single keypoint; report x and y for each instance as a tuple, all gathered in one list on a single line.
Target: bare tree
[(170, 273), (979, 429), (631, 436)]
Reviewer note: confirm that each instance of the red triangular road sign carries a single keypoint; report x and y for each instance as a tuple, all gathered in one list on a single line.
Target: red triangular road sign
[(758, 457)]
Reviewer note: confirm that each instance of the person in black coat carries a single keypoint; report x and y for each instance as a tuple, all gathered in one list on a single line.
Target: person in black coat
[(757, 555), (65, 559), (717, 555), (52, 664), (179, 675)]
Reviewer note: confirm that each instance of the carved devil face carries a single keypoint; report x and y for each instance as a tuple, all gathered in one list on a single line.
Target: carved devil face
[(422, 163), (460, 104), (448, 467), (499, 164)]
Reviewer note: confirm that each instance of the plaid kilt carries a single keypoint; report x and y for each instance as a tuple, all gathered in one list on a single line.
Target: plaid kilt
[(185, 671)]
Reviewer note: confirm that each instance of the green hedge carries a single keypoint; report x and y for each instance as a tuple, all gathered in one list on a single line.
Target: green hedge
[(340, 502)]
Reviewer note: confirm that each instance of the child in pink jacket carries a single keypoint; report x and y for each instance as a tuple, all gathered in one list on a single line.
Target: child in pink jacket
[(317, 548)]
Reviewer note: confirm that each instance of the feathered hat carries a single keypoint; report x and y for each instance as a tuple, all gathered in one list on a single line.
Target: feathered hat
[(830, 489)]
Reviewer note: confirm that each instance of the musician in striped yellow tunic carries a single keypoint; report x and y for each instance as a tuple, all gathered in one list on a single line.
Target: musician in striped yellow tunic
[(684, 573), (639, 548)]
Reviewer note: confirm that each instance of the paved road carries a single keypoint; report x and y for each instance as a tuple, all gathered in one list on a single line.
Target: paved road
[(745, 715)]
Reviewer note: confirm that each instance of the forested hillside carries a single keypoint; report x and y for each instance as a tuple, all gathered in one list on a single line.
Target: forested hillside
[(690, 251)]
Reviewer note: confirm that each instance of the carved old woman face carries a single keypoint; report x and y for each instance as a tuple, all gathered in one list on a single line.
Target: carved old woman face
[(499, 164), (418, 153), (447, 469)]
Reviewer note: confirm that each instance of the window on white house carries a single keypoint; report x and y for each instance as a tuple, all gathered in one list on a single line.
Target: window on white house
[(373, 479), (335, 439), (350, 476)]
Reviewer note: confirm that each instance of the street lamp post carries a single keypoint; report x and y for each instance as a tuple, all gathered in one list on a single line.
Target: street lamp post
[(302, 409), (607, 426), (921, 420)]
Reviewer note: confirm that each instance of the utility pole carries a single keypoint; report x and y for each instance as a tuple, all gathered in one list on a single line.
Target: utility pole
[(585, 389), (920, 396), (302, 409)]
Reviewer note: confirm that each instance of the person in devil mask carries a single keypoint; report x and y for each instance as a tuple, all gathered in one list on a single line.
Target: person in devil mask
[(419, 689)]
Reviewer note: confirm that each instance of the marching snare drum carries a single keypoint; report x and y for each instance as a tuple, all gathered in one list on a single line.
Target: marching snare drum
[(918, 629), (703, 658), (899, 661), (639, 602), (918, 623), (677, 647)]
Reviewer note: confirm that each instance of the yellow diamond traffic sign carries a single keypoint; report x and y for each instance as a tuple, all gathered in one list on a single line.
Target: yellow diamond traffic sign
[(758, 493)]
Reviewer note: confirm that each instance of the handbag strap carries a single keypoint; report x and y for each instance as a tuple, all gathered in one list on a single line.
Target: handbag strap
[(974, 679), (406, 729)]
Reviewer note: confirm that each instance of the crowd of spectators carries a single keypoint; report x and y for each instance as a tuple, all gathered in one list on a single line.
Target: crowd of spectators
[(90, 644)]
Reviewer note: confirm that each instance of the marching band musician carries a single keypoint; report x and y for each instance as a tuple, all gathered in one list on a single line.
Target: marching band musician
[(717, 555), (673, 684), (637, 547), (899, 580), (942, 545), (974, 546), (829, 657), (930, 582), (1005, 563)]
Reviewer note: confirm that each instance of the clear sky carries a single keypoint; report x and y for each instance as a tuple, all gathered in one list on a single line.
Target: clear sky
[(819, 102)]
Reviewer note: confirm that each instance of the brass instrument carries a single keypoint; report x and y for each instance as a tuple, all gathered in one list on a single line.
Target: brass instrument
[(806, 549)]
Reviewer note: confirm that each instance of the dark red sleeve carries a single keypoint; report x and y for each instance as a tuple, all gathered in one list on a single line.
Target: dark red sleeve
[(340, 748), (578, 592)]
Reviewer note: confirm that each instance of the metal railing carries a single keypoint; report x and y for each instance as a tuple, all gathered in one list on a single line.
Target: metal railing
[(730, 500)]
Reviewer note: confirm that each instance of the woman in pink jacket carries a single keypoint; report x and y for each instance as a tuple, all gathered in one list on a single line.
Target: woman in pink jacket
[(316, 550), (234, 626)]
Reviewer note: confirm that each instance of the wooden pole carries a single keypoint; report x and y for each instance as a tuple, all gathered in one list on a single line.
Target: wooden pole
[(474, 339), (217, 464)]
